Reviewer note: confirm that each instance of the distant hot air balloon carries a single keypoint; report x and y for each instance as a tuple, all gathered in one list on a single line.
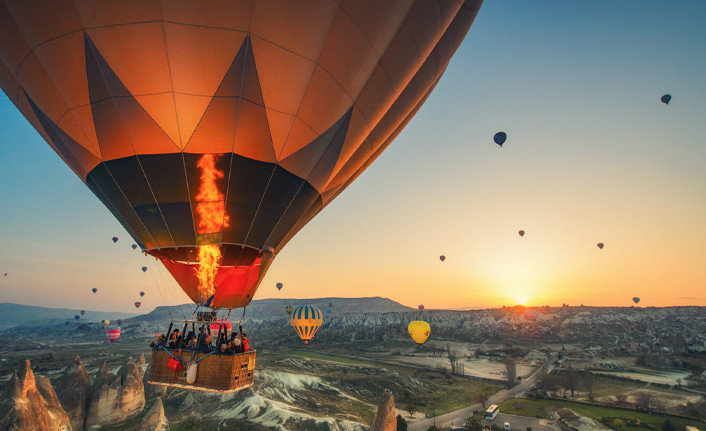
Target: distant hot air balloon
[(115, 239), (600, 245), (142, 293), (279, 286), (138, 304), (216, 325), (269, 118), (421, 307), (94, 290), (442, 258), (636, 300), (531, 314), (522, 233), (306, 320), (5, 274), (134, 246), (330, 304), (329, 311), (105, 323), (120, 322), (500, 138), (77, 317), (666, 99), (112, 334), (144, 269), (419, 331), (83, 312), (289, 309)]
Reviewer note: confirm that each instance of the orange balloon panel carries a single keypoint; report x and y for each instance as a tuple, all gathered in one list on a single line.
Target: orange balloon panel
[(290, 101)]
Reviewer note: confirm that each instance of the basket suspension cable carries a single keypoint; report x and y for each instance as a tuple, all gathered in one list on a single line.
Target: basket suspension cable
[(170, 287), (159, 288)]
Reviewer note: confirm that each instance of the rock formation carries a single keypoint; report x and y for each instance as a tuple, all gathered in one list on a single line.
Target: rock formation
[(115, 398), (385, 419), (152, 391), (155, 420), (31, 404), (73, 391)]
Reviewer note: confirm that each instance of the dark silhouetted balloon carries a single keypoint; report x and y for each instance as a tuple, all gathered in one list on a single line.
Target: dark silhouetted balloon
[(279, 286), (500, 138), (144, 269), (421, 307), (134, 246), (522, 233), (666, 99), (636, 300), (115, 239), (138, 304), (120, 321), (5, 274), (142, 293), (77, 317), (600, 245), (531, 314), (83, 312), (330, 304), (289, 309), (94, 290), (442, 258)]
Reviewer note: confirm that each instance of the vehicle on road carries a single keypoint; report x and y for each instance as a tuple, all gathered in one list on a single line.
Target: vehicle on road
[(492, 412), (506, 426)]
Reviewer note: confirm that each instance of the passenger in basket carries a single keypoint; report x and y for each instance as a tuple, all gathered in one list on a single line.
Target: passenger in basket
[(245, 342), (158, 342), (191, 341), (206, 345), (230, 349), (174, 340), (237, 346)]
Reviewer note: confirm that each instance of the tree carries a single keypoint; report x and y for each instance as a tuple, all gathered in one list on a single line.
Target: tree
[(588, 383), (401, 423), (482, 398), (667, 426), (644, 401), (473, 424), (511, 368), (620, 399), (411, 406), (570, 379)]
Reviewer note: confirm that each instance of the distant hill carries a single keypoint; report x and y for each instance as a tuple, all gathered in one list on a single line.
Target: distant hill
[(265, 309), (16, 314)]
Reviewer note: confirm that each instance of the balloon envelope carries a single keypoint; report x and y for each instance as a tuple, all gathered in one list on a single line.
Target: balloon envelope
[(600, 245), (77, 317), (142, 103), (522, 233), (120, 321), (105, 323), (115, 239), (500, 138), (138, 304), (442, 258), (636, 300), (289, 309), (421, 307), (531, 314), (215, 326), (94, 290), (306, 320), (144, 269), (279, 286), (142, 293), (83, 312), (134, 246), (666, 99), (112, 334), (419, 331)]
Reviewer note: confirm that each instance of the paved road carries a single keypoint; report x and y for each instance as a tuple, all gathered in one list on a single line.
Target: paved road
[(458, 417), (520, 423)]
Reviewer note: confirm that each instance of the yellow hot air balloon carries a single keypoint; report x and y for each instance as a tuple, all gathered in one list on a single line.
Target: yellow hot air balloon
[(419, 331), (105, 323), (306, 320)]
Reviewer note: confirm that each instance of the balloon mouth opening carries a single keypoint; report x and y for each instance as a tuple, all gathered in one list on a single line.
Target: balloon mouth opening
[(232, 255)]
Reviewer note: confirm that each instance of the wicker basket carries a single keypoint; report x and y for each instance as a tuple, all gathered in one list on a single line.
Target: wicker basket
[(216, 373)]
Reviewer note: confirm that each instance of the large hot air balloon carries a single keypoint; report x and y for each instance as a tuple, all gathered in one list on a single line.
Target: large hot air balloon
[(600, 245), (636, 300), (142, 293), (531, 314), (138, 304), (112, 334), (105, 323), (289, 309), (666, 99), (214, 134), (522, 233), (419, 331), (94, 290), (306, 320), (115, 239), (500, 138), (421, 307), (279, 286), (83, 312), (442, 258)]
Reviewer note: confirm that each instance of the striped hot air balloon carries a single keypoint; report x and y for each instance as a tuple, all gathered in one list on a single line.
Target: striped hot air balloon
[(306, 320), (112, 334)]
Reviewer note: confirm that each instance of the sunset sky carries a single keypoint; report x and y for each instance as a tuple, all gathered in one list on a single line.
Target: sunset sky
[(591, 156)]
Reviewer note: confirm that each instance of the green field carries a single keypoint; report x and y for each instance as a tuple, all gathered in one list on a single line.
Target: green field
[(533, 408)]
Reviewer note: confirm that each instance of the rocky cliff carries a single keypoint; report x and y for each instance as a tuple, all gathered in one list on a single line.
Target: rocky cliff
[(385, 419), (30, 404), (73, 391), (155, 420), (116, 398)]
